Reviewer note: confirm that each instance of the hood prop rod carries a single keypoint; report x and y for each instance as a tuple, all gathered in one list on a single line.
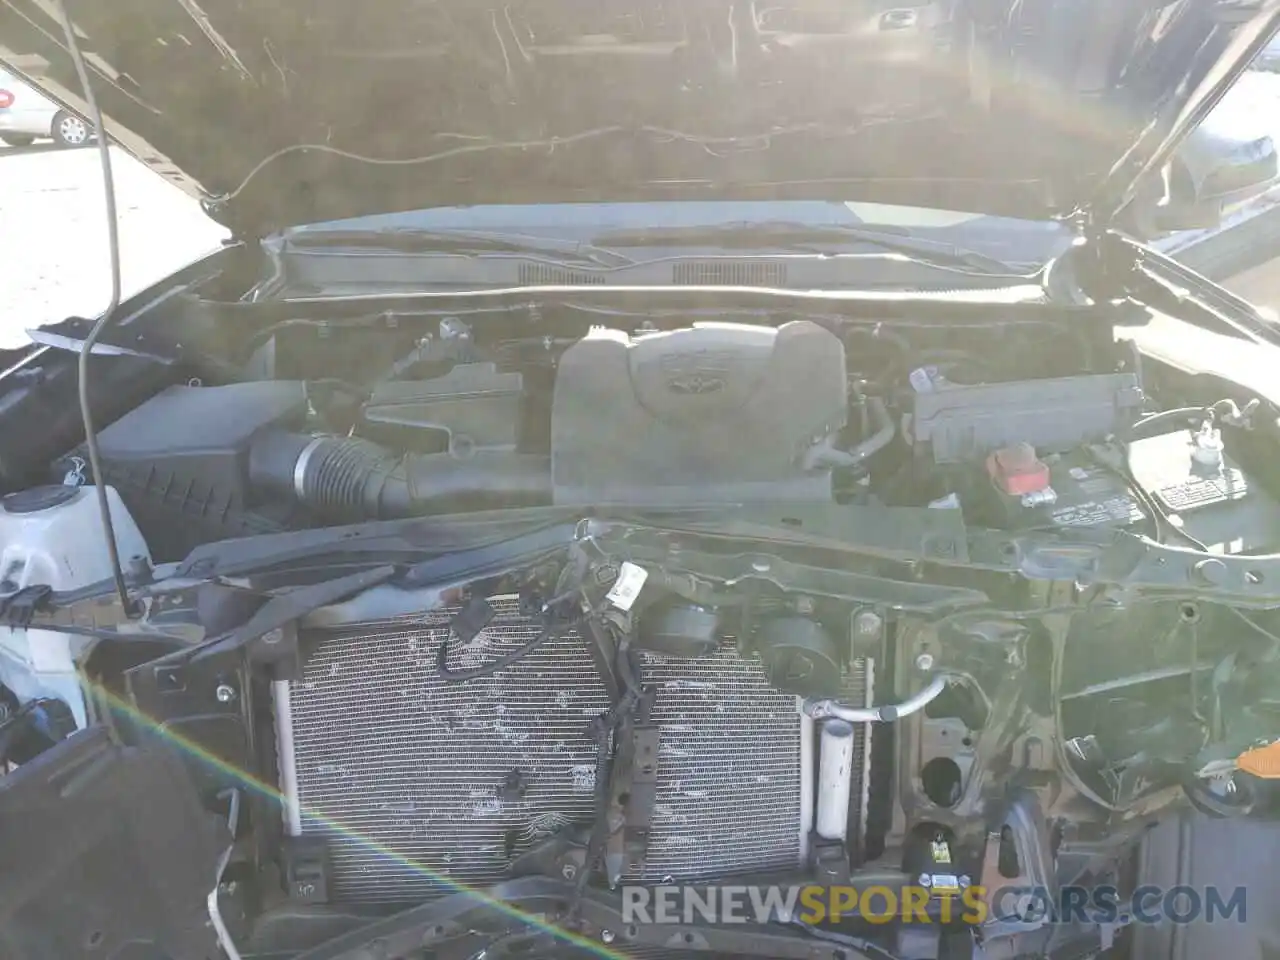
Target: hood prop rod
[(86, 349)]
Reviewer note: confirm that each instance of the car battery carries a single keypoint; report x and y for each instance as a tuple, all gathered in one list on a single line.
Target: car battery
[(1088, 494), (1199, 488), (1205, 492), (1024, 491)]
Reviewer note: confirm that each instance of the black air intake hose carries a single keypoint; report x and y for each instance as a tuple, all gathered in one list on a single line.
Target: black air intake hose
[(346, 479)]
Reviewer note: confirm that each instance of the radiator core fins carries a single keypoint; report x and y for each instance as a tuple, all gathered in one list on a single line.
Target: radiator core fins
[(409, 778)]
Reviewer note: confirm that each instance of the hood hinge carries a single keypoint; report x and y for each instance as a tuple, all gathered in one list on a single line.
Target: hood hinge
[(1106, 263)]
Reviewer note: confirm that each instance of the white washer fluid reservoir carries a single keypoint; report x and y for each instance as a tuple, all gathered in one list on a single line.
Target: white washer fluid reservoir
[(53, 536)]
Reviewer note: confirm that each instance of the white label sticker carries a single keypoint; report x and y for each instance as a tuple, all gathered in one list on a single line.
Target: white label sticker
[(627, 587)]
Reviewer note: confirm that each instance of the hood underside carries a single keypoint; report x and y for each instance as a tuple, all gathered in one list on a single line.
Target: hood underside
[(284, 113)]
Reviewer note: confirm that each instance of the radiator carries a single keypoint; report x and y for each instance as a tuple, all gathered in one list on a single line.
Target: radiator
[(403, 774)]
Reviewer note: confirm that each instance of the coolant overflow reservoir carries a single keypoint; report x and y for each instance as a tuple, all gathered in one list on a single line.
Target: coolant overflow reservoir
[(54, 536)]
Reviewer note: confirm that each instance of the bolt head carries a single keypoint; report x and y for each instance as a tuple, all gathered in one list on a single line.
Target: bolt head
[(607, 936), (225, 693), (924, 662), (568, 871), (1212, 571), (963, 880), (1024, 906), (925, 880)]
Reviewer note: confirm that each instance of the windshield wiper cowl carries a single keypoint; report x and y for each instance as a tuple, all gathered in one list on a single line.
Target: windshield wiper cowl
[(823, 239)]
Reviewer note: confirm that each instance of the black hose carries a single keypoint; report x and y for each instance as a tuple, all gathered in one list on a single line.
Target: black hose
[(550, 631), (86, 348), (346, 479), (1184, 414), (449, 675)]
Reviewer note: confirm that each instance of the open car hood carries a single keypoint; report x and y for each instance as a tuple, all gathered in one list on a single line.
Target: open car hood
[(285, 113)]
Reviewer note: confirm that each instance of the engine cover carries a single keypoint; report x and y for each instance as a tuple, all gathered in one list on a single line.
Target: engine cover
[(405, 775), (713, 413)]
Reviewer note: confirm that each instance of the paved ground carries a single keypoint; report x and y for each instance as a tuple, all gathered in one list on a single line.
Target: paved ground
[(53, 237)]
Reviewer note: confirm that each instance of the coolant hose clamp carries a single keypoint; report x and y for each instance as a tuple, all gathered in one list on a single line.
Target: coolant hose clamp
[(300, 466)]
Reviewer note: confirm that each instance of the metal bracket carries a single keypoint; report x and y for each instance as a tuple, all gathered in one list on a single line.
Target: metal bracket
[(829, 859), (278, 650), (306, 869), (644, 793), (632, 791), (264, 631)]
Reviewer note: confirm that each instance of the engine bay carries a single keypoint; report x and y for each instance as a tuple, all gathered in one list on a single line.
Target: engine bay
[(693, 598), (1028, 425)]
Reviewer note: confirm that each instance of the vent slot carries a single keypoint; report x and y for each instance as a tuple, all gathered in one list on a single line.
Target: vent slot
[(731, 273), (546, 275)]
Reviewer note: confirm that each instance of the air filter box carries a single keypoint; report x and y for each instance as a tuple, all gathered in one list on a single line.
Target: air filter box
[(179, 462)]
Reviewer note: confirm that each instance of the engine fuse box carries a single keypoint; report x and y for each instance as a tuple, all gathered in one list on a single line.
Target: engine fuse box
[(958, 423)]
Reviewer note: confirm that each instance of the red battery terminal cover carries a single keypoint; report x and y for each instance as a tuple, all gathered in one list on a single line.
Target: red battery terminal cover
[(1017, 471)]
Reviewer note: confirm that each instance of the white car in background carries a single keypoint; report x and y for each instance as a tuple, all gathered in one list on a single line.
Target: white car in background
[(27, 115)]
